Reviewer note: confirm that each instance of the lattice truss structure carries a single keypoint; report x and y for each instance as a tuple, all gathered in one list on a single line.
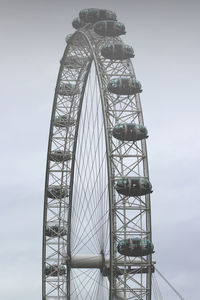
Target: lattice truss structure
[(71, 201)]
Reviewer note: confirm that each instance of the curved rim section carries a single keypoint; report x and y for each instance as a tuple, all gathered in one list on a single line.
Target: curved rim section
[(128, 216), (62, 137)]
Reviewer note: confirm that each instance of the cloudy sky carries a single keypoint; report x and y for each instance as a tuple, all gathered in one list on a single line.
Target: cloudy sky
[(165, 37)]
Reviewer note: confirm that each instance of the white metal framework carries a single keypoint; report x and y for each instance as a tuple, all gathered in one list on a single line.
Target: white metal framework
[(91, 217)]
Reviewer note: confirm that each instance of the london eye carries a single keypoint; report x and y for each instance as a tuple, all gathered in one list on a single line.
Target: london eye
[(97, 237)]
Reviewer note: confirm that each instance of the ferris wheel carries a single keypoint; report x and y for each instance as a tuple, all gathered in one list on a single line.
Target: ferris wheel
[(97, 215)]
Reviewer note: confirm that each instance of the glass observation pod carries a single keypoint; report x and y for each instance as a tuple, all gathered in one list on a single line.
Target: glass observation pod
[(68, 89), (55, 230), (129, 132), (57, 192), (93, 15), (68, 37), (60, 156), (55, 270), (117, 51), (133, 186), (75, 62), (135, 247), (76, 42), (109, 28), (64, 121), (124, 86), (77, 23)]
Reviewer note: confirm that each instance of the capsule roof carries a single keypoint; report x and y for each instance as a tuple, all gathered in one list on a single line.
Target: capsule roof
[(68, 89), (109, 28), (129, 132), (55, 231), (124, 86), (93, 15), (117, 51), (64, 121), (57, 192), (133, 186), (75, 61), (135, 247), (55, 270), (77, 23), (60, 156), (68, 37)]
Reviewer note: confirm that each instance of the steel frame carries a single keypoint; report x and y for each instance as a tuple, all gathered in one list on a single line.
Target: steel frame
[(129, 216)]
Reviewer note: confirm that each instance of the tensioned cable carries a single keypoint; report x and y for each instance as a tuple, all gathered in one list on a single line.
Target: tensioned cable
[(88, 220), (96, 230), (87, 184), (82, 184), (88, 239), (95, 274), (82, 137), (83, 282), (91, 212), (82, 166), (94, 164), (169, 284), (79, 153), (156, 288)]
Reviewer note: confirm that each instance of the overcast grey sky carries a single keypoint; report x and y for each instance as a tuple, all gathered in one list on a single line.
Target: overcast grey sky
[(165, 37)]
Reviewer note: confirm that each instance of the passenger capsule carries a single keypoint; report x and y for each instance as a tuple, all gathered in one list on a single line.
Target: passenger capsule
[(117, 51), (75, 62), (77, 23), (57, 192), (64, 121), (130, 132), (55, 270), (93, 15), (68, 37), (75, 42), (60, 156), (135, 247), (68, 89), (54, 231), (133, 186), (124, 86), (109, 28)]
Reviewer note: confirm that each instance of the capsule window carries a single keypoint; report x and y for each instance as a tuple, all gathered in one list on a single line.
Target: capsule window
[(118, 25), (120, 183), (144, 242), (141, 127), (101, 26), (126, 242), (144, 183), (119, 128)]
